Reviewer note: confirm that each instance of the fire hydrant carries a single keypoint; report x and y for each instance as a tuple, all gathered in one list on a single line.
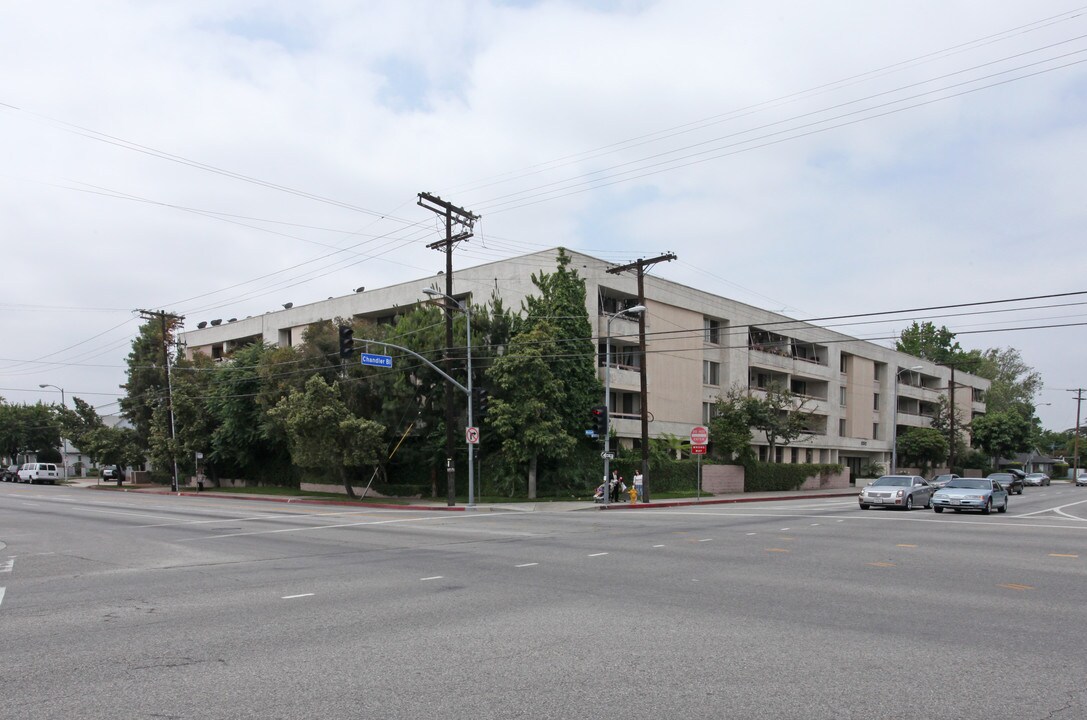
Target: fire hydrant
[(633, 492)]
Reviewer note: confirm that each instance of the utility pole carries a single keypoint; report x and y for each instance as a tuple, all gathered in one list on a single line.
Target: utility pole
[(951, 440), (640, 267), (465, 221), (1075, 451), (176, 320)]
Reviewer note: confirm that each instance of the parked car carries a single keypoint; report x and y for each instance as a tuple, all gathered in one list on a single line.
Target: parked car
[(39, 473), (112, 472), (1081, 479), (10, 473), (1011, 482), (940, 480), (1036, 479), (902, 491), (972, 494)]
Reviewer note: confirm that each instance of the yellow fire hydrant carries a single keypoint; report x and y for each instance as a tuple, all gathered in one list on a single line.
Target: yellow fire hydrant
[(633, 492)]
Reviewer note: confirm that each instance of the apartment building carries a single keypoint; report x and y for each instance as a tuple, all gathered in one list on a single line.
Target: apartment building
[(698, 346)]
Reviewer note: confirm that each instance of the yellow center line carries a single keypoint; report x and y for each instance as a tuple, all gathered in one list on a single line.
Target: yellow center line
[(1015, 586), (881, 564), (1063, 555), (781, 550), (904, 545)]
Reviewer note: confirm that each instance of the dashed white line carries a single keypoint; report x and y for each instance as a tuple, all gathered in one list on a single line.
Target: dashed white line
[(432, 577), (292, 597), (598, 554), (527, 565), (657, 546), (6, 567), (1, 596), (705, 539)]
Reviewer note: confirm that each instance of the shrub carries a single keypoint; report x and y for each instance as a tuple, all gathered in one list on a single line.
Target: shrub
[(762, 477)]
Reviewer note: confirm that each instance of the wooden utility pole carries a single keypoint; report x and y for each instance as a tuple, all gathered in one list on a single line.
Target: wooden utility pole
[(1075, 442), (162, 316), (465, 221), (640, 266)]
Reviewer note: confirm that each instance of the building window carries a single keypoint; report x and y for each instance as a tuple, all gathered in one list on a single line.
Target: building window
[(876, 372), (712, 330), (841, 396), (842, 363), (809, 456), (708, 412), (711, 373), (841, 428), (875, 401), (875, 431)]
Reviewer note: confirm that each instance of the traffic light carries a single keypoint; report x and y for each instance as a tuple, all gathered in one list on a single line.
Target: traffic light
[(483, 401), (347, 341), (598, 416)]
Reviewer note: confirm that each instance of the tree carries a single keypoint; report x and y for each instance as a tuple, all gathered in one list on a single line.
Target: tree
[(938, 345), (781, 416), (1001, 434), (324, 435), (561, 307), (28, 429), (1013, 383), (146, 384), (922, 447), (730, 426), (941, 422), (529, 416)]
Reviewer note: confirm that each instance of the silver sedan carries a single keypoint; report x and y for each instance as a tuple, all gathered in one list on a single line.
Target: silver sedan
[(971, 494), (901, 491)]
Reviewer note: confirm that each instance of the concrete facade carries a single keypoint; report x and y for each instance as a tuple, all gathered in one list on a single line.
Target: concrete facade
[(698, 346)]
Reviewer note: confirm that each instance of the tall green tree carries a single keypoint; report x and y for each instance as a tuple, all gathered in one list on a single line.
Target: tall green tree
[(1013, 383), (324, 435), (936, 344), (1001, 434), (730, 426), (146, 387), (28, 429), (561, 306), (527, 412)]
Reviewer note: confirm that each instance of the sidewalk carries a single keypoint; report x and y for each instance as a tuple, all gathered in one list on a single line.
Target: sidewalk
[(439, 505)]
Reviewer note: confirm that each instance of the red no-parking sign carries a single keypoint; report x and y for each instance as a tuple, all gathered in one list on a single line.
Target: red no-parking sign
[(699, 435)]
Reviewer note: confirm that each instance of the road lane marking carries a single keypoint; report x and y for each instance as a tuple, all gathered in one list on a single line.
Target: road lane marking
[(1067, 555), (598, 554), (657, 546), (1, 596), (292, 597), (7, 567), (705, 539), (321, 527), (1058, 510), (873, 517), (777, 550), (905, 545), (881, 564), (432, 577), (527, 565), (1015, 586)]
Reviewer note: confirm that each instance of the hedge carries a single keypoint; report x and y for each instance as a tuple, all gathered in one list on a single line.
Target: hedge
[(763, 477)]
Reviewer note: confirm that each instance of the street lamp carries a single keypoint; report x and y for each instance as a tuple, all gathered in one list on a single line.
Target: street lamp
[(634, 310), (467, 310), (894, 418), (63, 440)]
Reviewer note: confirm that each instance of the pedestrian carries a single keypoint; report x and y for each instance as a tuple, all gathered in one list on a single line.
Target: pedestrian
[(638, 482)]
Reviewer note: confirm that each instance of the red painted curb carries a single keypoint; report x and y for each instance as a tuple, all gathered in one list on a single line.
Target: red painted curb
[(309, 501)]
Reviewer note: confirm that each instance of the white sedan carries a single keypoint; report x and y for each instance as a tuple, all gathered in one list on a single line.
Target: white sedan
[(900, 491)]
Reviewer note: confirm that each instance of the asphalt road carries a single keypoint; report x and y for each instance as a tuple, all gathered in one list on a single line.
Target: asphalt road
[(124, 605)]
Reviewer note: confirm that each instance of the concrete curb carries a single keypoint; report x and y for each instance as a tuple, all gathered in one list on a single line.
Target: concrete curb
[(724, 501)]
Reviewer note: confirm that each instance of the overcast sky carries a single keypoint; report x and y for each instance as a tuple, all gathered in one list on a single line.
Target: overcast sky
[(218, 158)]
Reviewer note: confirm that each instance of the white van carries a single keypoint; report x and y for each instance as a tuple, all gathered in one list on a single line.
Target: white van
[(39, 472)]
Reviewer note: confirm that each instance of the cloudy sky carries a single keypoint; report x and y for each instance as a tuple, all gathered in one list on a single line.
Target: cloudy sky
[(218, 158)]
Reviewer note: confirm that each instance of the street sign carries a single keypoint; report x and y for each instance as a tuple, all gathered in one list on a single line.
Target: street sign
[(698, 449), (472, 435), (699, 435), (384, 361), (608, 455)]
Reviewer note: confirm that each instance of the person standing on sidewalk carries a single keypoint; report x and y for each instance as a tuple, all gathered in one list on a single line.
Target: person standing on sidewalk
[(638, 481)]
